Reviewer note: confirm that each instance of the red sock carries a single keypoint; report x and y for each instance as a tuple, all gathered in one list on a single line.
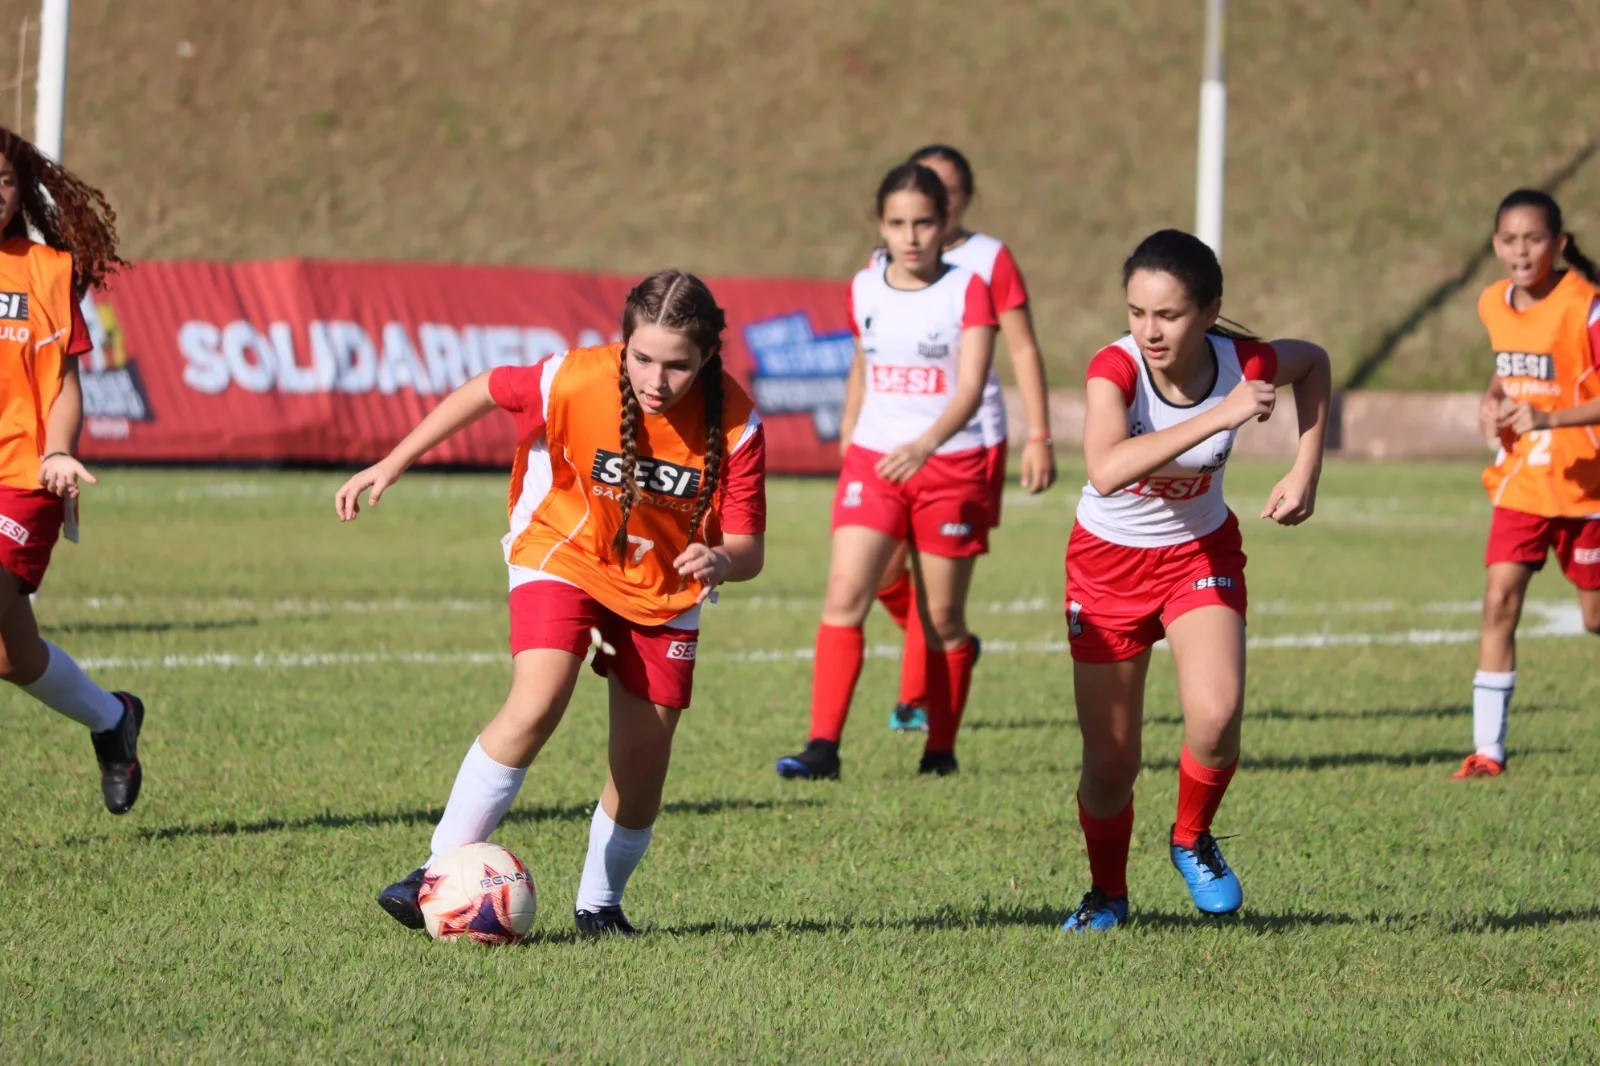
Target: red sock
[(1200, 791), (1107, 842), (949, 681), (914, 664), (837, 667), (896, 599)]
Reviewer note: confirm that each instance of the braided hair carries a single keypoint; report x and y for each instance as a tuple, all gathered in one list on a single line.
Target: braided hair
[(1552, 217), (68, 213), (681, 302)]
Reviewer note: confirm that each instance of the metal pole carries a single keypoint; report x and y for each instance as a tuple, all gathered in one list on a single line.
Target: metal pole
[(1210, 180), (50, 100)]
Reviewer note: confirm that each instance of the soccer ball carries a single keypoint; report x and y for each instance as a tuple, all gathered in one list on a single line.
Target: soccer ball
[(478, 891)]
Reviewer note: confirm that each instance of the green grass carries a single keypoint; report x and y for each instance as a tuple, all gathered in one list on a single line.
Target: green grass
[(1390, 914), (1369, 142)]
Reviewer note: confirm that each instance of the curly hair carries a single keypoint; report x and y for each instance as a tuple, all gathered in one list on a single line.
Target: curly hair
[(68, 213), (681, 302)]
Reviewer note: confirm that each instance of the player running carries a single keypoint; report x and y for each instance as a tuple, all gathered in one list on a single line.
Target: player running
[(915, 467), (42, 334), (638, 487), (1156, 552), (1543, 403), (991, 260)]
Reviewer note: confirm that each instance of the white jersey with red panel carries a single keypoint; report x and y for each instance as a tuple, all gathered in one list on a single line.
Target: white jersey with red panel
[(991, 260), (911, 340), (1183, 500)]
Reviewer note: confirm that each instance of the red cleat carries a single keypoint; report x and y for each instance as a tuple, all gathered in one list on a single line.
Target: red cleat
[(1477, 765)]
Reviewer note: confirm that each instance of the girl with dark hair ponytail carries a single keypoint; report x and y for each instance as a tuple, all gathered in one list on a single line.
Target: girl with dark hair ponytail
[(42, 336), (637, 489), (1543, 404), (1156, 552)]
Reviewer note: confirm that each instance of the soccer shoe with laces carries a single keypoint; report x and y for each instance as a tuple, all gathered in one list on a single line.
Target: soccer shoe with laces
[(1097, 913), (400, 899), (1212, 885), (819, 762), (117, 750), (939, 763), (908, 718), (1476, 765), (607, 921)]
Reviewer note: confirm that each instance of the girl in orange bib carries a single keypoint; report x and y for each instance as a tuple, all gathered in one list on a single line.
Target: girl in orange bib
[(42, 334), (637, 488), (1543, 404)]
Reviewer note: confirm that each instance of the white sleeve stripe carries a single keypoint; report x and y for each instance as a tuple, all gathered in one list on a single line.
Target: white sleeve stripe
[(547, 377), (57, 335), (751, 424), (1594, 311)]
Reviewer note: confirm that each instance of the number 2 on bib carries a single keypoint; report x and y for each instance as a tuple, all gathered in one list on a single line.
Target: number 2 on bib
[(1539, 454)]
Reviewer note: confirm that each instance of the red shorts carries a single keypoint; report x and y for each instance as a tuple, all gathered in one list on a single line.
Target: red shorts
[(30, 522), (1120, 600), (1519, 537), (652, 662), (996, 458), (943, 510)]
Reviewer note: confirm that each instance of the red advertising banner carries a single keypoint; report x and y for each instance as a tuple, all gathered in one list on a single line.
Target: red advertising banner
[(316, 362)]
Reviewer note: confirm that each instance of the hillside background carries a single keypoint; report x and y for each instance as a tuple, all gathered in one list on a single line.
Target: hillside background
[(1369, 141)]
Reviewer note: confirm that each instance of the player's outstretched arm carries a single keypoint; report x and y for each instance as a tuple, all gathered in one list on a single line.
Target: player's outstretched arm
[(1116, 460), (455, 412), (1038, 453), (1303, 366)]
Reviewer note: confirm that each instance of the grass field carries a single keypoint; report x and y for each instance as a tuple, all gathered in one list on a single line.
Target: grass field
[(312, 688), (1368, 142)]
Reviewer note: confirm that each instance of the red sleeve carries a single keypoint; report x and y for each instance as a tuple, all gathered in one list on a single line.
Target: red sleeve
[(744, 487), (980, 305), (79, 342), (1594, 332), (518, 389), (1114, 365), (850, 309), (1258, 360), (1005, 282)]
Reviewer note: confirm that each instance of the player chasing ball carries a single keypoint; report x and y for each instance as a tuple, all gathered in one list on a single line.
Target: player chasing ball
[(1543, 404), (42, 334), (991, 260), (1156, 552), (638, 487), (915, 468)]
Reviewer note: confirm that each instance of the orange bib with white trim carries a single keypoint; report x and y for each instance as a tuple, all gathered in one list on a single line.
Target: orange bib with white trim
[(35, 329), (1542, 358)]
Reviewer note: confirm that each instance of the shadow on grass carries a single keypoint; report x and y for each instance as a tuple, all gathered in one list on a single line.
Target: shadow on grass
[(192, 626), (1341, 759), (569, 812)]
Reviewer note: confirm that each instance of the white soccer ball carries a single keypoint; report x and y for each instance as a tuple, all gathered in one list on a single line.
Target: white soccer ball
[(481, 892)]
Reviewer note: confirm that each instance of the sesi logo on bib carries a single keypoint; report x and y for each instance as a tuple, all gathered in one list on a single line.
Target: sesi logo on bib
[(908, 380), (653, 475), (1172, 488)]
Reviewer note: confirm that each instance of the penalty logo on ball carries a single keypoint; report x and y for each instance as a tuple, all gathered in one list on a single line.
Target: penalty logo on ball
[(478, 892)]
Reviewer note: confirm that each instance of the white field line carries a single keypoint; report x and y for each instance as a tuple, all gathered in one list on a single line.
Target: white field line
[(1026, 605), (1564, 622)]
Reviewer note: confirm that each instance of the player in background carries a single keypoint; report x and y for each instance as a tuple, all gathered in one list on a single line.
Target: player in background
[(990, 259), (915, 468), (638, 487), (42, 334), (1543, 403), (1156, 552)]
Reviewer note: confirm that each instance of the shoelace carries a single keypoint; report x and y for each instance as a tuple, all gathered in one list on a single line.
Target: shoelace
[(1092, 901), (1205, 850)]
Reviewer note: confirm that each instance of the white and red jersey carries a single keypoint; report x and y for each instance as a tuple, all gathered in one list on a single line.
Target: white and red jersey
[(991, 260), (1183, 500), (911, 340)]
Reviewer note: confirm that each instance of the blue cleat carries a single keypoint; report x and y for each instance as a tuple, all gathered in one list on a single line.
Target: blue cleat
[(1212, 885), (1098, 913), (908, 718), (819, 762)]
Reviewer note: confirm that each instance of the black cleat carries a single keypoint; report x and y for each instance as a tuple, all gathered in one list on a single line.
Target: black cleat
[(118, 751), (941, 763), (819, 762), (607, 921), (400, 899)]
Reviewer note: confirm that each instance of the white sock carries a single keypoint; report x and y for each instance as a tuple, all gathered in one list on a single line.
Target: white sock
[(483, 792), (614, 852), (1491, 700), (65, 688)]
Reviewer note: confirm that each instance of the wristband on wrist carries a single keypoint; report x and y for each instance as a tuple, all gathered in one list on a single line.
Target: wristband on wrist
[(52, 455), (1037, 438)]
